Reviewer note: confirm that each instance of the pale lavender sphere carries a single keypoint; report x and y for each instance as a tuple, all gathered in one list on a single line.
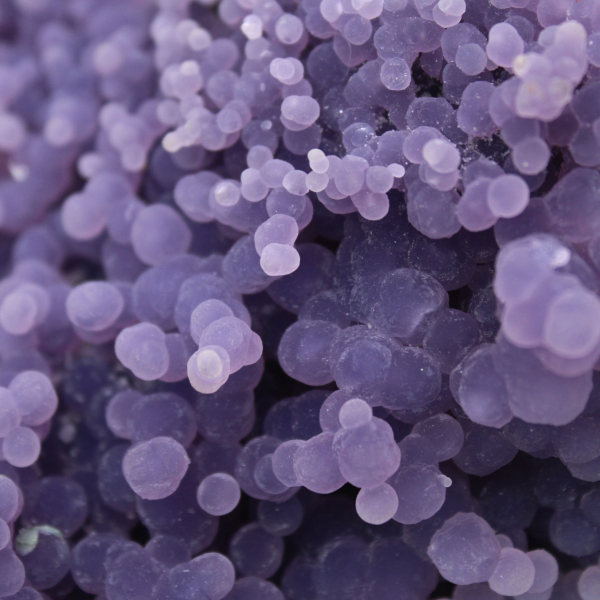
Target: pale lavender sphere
[(302, 110), (241, 344), (21, 447), (283, 462), (572, 325), (277, 260), (367, 454), (546, 571), (24, 308), (531, 156), (231, 233), (471, 59), (289, 29), (508, 196), (216, 572), (279, 229), (504, 44), (159, 232), (316, 466), (154, 468), (34, 396), (82, 217), (258, 155), (371, 205), (395, 74), (514, 573), (208, 369), (226, 193), (206, 313), (472, 115), (588, 585), (441, 155), (355, 413), (420, 488), (465, 550), (94, 306), (117, 412), (13, 573), (218, 494), (379, 179), (142, 349), (377, 505)]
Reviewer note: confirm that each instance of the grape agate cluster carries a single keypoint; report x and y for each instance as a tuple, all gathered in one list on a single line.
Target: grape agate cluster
[(299, 299)]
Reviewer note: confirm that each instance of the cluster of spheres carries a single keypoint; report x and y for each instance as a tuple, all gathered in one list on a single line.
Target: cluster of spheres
[(299, 299)]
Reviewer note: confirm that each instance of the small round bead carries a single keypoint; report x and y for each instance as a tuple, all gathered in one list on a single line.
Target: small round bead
[(218, 494), (395, 74), (208, 369), (377, 505), (21, 447), (279, 259), (355, 413), (154, 468)]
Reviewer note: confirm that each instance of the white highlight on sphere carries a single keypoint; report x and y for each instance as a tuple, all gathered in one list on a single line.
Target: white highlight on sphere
[(208, 369), (252, 27), (227, 193), (209, 364), (172, 143)]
